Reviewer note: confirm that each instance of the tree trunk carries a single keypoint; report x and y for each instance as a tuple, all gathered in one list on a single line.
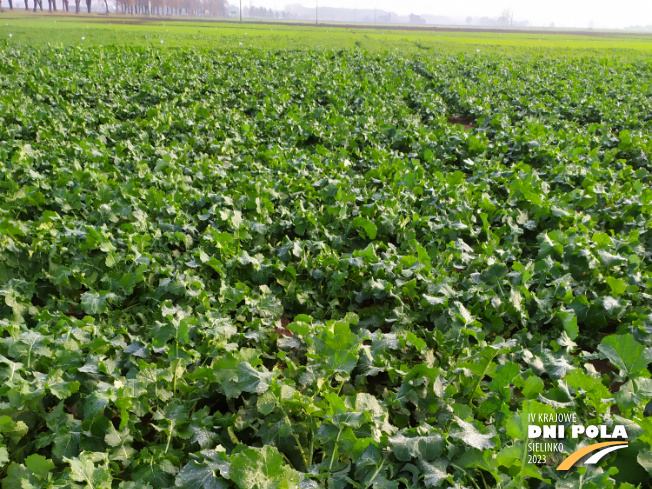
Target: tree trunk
[(11, 5), (50, 6), (26, 5), (54, 5), (106, 4), (77, 9), (88, 5)]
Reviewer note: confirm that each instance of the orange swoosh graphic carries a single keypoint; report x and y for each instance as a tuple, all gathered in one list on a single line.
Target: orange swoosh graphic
[(575, 456)]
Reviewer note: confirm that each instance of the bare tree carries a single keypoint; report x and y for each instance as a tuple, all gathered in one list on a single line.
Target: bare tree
[(88, 5), (506, 18)]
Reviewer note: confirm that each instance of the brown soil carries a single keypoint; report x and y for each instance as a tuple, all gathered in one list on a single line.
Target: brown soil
[(466, 122), (283, 331)]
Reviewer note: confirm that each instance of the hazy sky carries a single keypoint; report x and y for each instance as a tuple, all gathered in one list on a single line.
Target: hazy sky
[(570, 13)]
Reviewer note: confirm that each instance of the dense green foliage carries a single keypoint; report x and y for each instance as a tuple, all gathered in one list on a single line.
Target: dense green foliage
[(225, 269)]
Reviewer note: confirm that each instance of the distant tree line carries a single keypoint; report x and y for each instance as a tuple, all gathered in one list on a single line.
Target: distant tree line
[(417, 19), (214, 8), (52, 5), (261, 12), (506, 19)]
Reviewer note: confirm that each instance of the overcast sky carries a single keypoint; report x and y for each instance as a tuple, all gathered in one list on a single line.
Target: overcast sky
[(564, 13)]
